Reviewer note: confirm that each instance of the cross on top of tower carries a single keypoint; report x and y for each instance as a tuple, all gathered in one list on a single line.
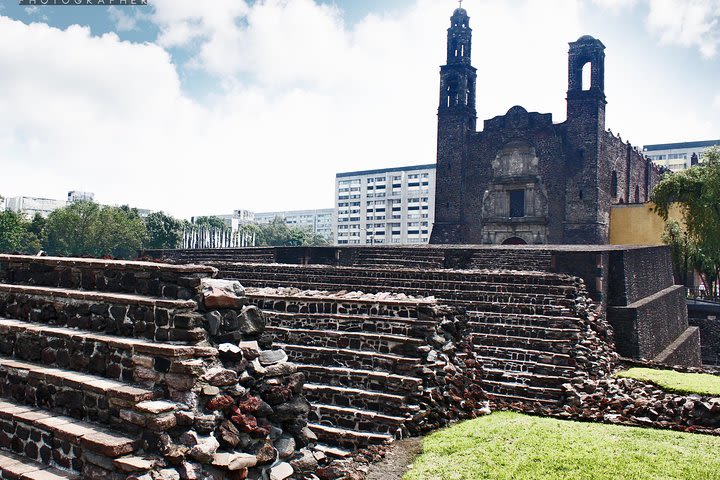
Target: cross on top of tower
[(460, 3)]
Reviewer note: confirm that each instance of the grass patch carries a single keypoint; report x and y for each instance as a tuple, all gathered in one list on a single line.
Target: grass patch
[(509, 445), (677, 382)]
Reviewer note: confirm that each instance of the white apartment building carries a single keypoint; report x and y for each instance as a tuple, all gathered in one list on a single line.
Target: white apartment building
[(678, 156), (385, 206), (235, 219), (29, 206), (319, 221)]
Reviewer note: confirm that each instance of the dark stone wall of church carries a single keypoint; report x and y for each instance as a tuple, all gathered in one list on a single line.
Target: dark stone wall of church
[(522, 128)]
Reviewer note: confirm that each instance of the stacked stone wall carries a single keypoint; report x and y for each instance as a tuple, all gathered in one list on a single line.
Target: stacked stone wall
[(140, 370)]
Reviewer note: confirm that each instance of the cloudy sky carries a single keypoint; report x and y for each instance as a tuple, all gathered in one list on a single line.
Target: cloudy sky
[(201, 107)]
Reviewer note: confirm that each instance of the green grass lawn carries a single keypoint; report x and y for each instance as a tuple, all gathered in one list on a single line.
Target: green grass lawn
[(678, 382), (508, 445)]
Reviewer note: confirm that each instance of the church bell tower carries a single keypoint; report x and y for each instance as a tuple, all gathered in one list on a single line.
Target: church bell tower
[(456, 118)]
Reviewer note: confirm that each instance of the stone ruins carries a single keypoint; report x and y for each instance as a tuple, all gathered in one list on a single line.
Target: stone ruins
[(306, 362)]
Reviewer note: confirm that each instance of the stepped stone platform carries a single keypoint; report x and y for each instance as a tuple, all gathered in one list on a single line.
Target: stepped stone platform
[(528, 344), (633, 285), (116, 370), (378, 367)]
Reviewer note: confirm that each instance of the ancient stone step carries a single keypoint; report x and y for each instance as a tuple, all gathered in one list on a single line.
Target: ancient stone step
[(409, 327), (113, 357), (495, 363), (369, 342), (78, 395), (365, 379), (58, 441), (542, 321), (143, 278), (507, 278), (505, 398), (355, 359), (357, 419), (16, 467), (548, 333), (515, 308), (111, 313), (563, 345), (381, 402), (526, 378), (518, 389), (348, 439), (334, 452), (421, 283), (322, 303), (519, 354)]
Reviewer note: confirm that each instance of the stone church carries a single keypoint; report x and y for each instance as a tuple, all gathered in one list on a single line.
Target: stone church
[(524, 179)]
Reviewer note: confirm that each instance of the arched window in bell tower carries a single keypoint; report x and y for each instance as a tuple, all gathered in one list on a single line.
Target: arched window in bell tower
[(587, 76), (452, 91)]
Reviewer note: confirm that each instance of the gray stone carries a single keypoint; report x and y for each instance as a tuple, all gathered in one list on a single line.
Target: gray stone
[(285, 446), (251, 320), (271, 357), (281, 471), (204, 451), (221, 377), (281, 369), (250, 349), (214, 320)]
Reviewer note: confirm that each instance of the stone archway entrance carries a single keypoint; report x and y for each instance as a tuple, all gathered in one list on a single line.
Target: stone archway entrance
[(514, 241)]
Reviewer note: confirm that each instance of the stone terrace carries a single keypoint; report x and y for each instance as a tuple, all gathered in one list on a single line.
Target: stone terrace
[(531, 331), (378, 366), (111, 369)]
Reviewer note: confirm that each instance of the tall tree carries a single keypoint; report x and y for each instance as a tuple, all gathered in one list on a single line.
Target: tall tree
[(697, 192), (86, 228), (15, 234), (211, 222), (163, 231)]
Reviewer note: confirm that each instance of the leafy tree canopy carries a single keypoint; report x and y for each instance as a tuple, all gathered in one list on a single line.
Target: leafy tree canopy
[(16, 235), (697, 192), (211, 222), (163, 231), (86, 228)]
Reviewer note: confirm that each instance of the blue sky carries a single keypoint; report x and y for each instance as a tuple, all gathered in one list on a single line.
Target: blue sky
[(206, 107)]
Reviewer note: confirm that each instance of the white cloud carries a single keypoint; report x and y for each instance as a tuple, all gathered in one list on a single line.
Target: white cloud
[(31, 10), (123, 22), (616, 6), (716, 102), (690, 23)]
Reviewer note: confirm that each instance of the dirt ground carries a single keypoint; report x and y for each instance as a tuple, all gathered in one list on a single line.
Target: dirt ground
[(397, 460)]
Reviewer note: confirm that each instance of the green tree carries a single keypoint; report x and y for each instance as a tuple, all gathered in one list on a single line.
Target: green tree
[(278, 233), (697, 192), (211, 222), (86, 228), (163, 231), (15, 234)]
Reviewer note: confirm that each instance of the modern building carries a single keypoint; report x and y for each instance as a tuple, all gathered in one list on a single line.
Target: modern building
[(77, 196), (388, 205), (319, 221), (29, 206), (235, 219), (524, 179), (678, 156)]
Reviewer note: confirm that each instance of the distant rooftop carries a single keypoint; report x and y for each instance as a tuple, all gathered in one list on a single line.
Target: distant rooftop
[(385, 170), (673, 146)]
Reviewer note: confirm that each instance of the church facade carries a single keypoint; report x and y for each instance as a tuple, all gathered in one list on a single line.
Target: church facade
[(524, 179)]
